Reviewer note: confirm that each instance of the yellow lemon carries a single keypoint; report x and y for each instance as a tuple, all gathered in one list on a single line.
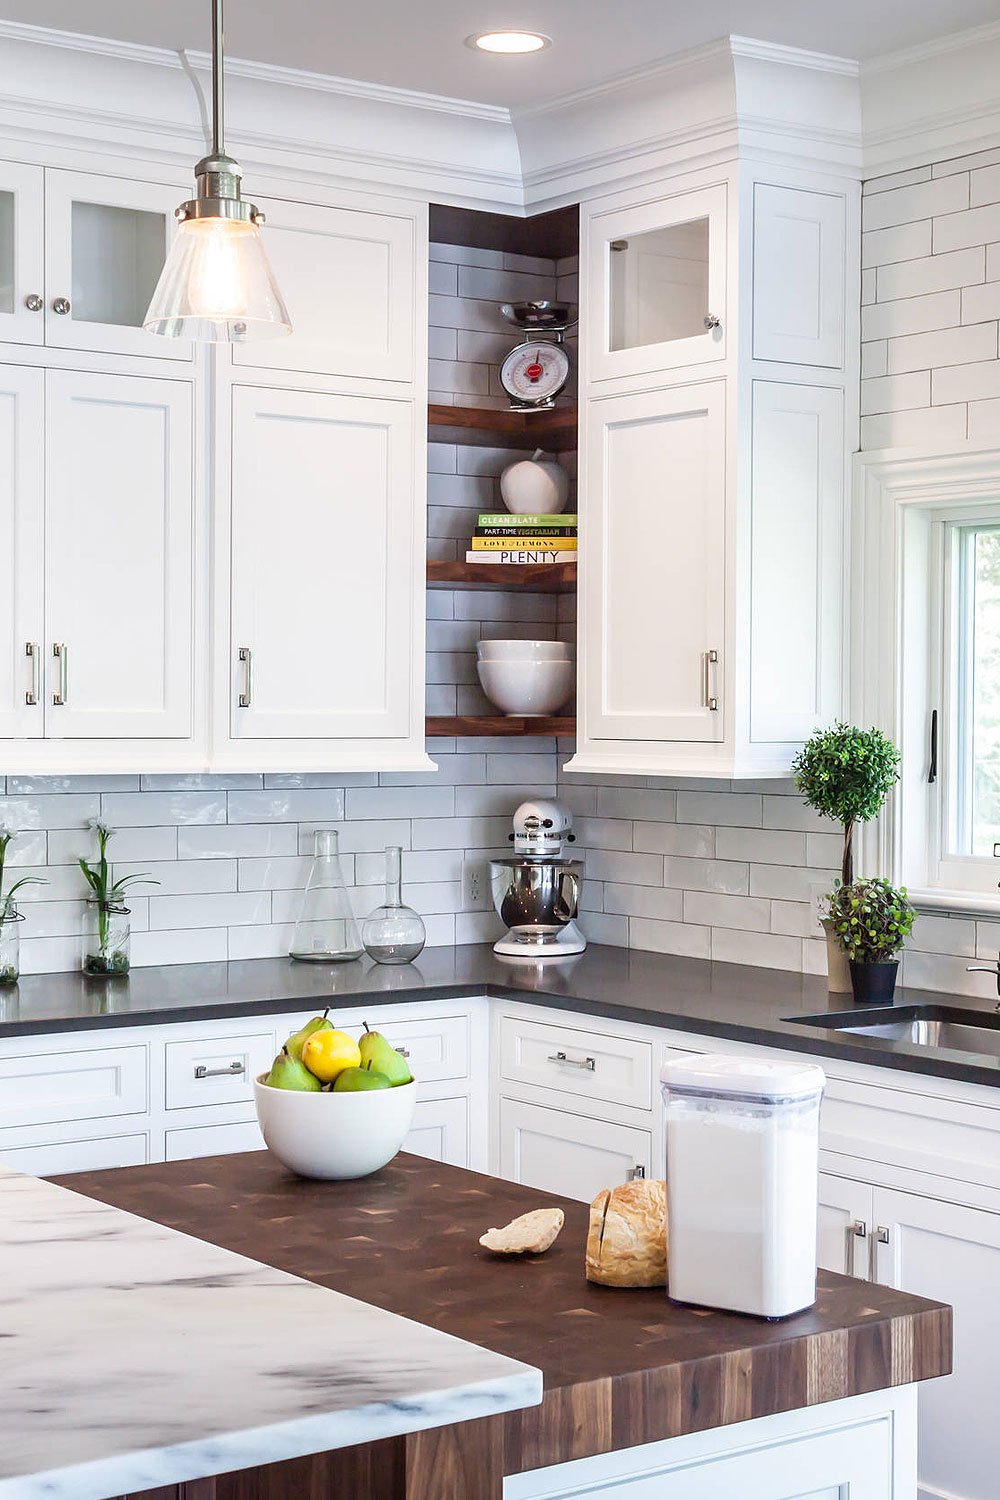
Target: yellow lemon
[(327, 1053)]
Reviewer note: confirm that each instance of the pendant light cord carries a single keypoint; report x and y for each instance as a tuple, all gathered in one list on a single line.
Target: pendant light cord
[(218, 143)]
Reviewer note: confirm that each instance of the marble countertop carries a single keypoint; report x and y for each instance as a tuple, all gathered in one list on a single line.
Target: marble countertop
[(682, 994), (133, 1356)]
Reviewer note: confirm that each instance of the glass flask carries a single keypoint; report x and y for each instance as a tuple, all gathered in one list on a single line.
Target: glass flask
[(394, 933), (326, 931)]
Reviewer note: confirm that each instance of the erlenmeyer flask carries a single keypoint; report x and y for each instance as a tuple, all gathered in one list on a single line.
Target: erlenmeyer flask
[(326, 931)]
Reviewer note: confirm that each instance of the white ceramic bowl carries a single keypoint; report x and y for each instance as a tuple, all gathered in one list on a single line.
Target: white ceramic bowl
[(334, 1135), (527, 687), (525, 651)]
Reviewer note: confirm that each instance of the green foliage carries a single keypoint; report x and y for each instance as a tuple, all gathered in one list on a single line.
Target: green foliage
[(98, 876), (872, 919), (846, 774), (8, 906)]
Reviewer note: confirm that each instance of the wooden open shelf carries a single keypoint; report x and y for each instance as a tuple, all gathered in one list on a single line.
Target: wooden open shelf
[(554, 430), (501, 724), (531, 578)]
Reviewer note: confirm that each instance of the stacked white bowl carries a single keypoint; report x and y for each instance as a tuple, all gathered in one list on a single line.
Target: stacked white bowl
[(527, 678)]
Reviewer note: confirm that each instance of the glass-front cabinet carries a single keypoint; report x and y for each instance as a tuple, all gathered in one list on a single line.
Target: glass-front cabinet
[(80, 255), (661, 270)]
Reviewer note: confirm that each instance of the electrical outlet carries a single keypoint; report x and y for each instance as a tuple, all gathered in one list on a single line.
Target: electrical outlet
[(817, 906), (475, 885)]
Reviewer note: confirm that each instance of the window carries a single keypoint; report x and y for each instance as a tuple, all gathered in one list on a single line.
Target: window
[(974, 785)]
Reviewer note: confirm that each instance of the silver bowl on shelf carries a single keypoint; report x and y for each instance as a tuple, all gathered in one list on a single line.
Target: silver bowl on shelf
[(540, 316)]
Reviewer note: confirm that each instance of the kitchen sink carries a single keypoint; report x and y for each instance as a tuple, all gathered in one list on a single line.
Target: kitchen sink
[(943, 1028)]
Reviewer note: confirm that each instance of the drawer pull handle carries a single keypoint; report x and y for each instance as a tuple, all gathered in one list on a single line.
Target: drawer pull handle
[(634, 1174), (882, 1235), (403, 1051), (234, 1070), (859, 1229), (587, 1063)]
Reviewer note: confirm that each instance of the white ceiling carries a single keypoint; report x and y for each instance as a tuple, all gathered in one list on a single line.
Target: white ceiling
[(420, 45)]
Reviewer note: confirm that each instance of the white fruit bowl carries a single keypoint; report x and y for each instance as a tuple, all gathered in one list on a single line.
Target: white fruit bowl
[(334, 1136), (525, 651), (530, 688)]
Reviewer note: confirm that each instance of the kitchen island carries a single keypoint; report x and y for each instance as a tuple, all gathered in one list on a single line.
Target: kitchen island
[(637, 1392)]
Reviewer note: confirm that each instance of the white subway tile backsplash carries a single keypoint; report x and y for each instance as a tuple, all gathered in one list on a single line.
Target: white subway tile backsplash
[(49, 810), (233, 909), (155, 809), (652, 804), (980, 303), (235, 841), (400, 802), (709, 909), (932, 273), (736, 809), (904, 242), (886, 320), (977, 226), (761, 950), (681, 938), (324, 804), (790, 882), (945, 346), (643, 901), (763, 845), (697, 840), (895, 392), (915, 429), (923, 200), (891, 180), (984, 421)]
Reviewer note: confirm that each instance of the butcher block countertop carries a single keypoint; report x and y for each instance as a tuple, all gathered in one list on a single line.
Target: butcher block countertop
[(620, 1367)]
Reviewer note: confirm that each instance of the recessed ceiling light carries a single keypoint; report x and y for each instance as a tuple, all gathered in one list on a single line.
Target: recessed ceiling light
[(509, 41)]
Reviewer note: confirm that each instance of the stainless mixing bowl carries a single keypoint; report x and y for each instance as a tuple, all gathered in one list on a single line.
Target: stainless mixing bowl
[(537, 897)]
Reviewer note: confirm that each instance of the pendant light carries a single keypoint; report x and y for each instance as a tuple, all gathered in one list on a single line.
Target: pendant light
[(217, 284)]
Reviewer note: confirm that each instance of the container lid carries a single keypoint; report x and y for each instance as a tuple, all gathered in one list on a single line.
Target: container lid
[(746, 1077)]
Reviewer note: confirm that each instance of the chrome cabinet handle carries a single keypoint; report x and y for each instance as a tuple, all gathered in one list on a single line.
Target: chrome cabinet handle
[(587, 1063), (635, 1173), (33, 654), (61, 305), (246, 657), (858, 1230), (708, 661), (33, 302), (882, 1235), (61, 655), (711, 321), (403, 1051), (855, 1232), (233, 1071)]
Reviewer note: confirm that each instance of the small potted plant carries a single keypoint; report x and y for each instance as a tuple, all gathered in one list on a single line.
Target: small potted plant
[(10, 917), (846, 774), (871, 920), (107, 930)]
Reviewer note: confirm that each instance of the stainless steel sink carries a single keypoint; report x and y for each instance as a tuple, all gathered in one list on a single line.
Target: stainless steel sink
[(943, 1028)]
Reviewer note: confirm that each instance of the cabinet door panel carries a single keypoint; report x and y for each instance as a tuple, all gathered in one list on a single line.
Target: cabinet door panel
[(212, 1140), (22, 254), (95, 1155), (654, 565), (845, 1225), (797, 559), (22, 533), (323, 570), (119, 538), (560, 1152), (440, 1131), (798, 275), (950, 1253), (348, 282), (106, 239)]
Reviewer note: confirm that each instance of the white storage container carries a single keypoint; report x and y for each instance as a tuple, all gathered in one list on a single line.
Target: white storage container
[(742, 1183)]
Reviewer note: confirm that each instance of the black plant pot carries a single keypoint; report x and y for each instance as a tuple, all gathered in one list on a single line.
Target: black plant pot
[(874, 984)]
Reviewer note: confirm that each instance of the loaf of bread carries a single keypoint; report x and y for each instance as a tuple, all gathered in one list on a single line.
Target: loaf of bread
[(531, 1234), (627, 1239)]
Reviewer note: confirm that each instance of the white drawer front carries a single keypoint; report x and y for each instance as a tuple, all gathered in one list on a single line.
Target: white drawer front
[(440, 1131), (435, 1049), (618, 1070), (216, 1070), (45, 1087), (568, 1154), (213, 1140), (78, 1156)]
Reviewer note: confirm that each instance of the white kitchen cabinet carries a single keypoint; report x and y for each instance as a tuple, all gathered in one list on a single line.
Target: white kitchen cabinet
[(47, 1083), (440, 1131), (22, 268), (348, 279), (559, 1151), (845, 1225), (569, 1059), (119, 518), (326, 587), (95, 1154), (22, 541), (652, 570), (799, 262), (106, 239), (224, 1139)]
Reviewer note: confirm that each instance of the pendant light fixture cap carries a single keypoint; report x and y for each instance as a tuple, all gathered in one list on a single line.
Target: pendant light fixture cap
[(218, 178)]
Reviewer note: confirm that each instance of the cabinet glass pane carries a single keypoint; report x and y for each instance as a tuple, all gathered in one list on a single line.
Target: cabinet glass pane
[(118, 254), (6, 252), (659, 285)]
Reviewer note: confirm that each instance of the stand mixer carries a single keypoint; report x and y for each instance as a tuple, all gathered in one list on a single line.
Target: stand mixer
[(537, 891)]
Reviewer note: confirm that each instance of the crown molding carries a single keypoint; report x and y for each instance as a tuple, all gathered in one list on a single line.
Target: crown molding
[(799, 57), (942, 46)]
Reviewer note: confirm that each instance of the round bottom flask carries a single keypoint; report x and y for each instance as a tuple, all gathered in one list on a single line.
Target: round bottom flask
[(393, 933)]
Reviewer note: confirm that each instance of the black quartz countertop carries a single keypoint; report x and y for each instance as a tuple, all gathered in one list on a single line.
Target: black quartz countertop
[(681, 994)]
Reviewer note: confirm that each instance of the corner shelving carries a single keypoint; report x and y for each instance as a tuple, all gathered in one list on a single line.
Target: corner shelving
[(537, 578), (485, 427), (500, 724)]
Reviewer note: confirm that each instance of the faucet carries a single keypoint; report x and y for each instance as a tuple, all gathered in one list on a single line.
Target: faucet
[(993, 969)]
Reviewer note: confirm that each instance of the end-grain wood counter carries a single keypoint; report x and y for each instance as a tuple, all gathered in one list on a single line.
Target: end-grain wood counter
[(621, 1368)]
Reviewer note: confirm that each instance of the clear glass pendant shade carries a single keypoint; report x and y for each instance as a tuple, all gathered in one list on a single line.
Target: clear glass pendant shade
[(217, 286)]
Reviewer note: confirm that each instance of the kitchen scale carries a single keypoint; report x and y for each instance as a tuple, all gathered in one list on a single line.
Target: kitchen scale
[(535, 371)]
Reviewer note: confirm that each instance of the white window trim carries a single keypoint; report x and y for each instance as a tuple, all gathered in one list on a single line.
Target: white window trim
[(898, 496)]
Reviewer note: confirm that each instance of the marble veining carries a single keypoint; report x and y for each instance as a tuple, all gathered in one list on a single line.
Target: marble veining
[(133, 1356)]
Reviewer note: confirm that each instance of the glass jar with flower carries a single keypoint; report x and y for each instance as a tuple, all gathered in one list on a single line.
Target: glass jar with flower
[(10, 916), (107, 928)]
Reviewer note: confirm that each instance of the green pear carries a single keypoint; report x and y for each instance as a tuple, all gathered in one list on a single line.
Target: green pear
[(298, 1039), (359, 1081), (288, 1072), (381, 1056)]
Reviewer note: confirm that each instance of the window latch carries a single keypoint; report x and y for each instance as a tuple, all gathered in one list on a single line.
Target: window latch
[(932, 772)]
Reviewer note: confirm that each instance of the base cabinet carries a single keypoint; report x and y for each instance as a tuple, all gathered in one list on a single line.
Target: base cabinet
[(845, 1219), (573, 1155), (441, 1131)]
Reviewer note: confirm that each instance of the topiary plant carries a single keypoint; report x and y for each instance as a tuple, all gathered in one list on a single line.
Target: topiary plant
[(846, 774), (872, 920)]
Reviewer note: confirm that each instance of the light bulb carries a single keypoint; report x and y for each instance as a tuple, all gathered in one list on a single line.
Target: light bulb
[(509, 41), (217, 285)]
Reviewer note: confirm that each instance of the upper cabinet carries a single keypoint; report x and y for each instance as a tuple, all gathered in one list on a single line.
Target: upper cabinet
[(348, 278), (80, 255), (660, 266), (22, 542), (718, 416)]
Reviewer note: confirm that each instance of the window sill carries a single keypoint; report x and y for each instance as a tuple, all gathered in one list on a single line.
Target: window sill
[(955, 903)]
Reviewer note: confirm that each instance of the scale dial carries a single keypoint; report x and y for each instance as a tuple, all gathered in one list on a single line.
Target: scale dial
[(534, 373)]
